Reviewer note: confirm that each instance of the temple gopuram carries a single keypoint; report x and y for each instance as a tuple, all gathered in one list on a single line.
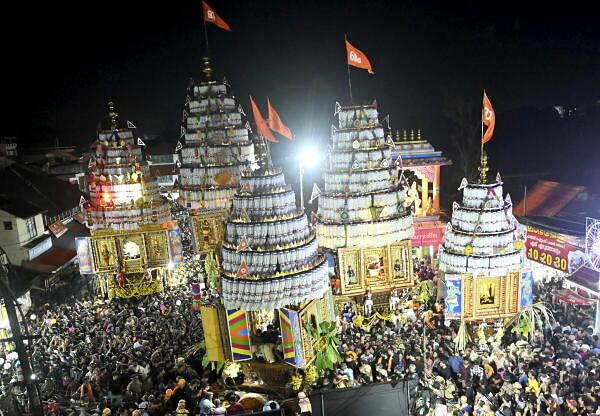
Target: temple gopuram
[(134, 243), (362, 218), (419, 163), (217, 150)]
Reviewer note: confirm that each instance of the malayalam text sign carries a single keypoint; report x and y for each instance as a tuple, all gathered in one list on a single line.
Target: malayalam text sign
[(552, 250)]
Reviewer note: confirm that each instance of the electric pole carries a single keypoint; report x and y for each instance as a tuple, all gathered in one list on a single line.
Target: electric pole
[(35, 405)]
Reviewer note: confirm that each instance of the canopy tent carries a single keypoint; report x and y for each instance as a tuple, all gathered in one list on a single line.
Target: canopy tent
[(573, 298)]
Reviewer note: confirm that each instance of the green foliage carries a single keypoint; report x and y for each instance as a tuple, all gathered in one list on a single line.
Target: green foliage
[(422, 291), (327, 354), (530, 319), (211, 269)]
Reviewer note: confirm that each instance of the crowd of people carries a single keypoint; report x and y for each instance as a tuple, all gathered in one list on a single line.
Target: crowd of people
[(423, 269), (128, 357), (556, 374), (125, 357)]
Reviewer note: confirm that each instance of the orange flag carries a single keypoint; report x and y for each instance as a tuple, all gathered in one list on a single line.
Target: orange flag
[(261, 124), (212, 17), (357, 58), (276, 124), (488, 117)]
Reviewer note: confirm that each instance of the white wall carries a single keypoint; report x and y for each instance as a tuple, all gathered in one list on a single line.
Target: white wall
[(12, 240)]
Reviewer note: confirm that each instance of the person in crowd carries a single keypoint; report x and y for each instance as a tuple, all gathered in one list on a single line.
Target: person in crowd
[(304, 404)]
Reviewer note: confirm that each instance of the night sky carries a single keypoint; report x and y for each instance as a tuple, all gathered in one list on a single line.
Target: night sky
[(63, 60)]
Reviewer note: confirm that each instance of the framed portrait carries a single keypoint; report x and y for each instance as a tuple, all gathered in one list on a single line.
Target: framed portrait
[(208, 230), (156, 247), (375, 268), (489, 297), (133, 252), (400, 265), (105, 254), (350, 271)]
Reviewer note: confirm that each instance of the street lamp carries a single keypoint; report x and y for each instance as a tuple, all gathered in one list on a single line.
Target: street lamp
[(308, 157)]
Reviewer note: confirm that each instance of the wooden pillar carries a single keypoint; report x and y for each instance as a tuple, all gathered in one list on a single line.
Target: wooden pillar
[(435, 203)]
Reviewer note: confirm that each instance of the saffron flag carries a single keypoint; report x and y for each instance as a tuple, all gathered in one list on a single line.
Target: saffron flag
[(488, 117), (276, 124), (261, 124), (212, 17), (357, 58)]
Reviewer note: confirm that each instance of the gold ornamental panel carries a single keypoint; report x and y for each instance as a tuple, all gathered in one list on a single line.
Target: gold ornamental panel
[(350, 271), (133, 253), (157, 251), (209, 230), (105, 254), (376, 269), (401, 265), (487, 298)]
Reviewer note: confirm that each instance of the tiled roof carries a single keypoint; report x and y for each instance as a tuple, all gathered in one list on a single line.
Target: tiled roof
[(38, 189), (18, 207), (547, 199)]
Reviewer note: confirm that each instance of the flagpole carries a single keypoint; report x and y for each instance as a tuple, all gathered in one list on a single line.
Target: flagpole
[(481, 156), (205, 35), (348, 69)]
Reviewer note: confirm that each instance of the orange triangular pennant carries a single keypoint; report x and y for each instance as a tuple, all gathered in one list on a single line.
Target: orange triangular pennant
[(261, 124), (276, 124)]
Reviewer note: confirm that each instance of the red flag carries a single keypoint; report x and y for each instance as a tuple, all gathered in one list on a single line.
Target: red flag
[(261, 124), (276, 124), (357, 58), (488, 117), (212, 17)]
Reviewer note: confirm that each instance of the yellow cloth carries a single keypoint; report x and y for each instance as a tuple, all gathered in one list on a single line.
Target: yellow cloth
[(534, 385)]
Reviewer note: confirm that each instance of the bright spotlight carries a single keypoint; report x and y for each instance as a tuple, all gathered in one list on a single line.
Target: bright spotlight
[(33, 317), (33, 376), (309, 156), (171, 265), (178, 302)]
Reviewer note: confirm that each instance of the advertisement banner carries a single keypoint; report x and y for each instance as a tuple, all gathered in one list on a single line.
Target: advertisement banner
[(428, 235), (552, 250), (453, 296), (291, 337), (175, 245), (84, 255), (526, 288), (239, 335)]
